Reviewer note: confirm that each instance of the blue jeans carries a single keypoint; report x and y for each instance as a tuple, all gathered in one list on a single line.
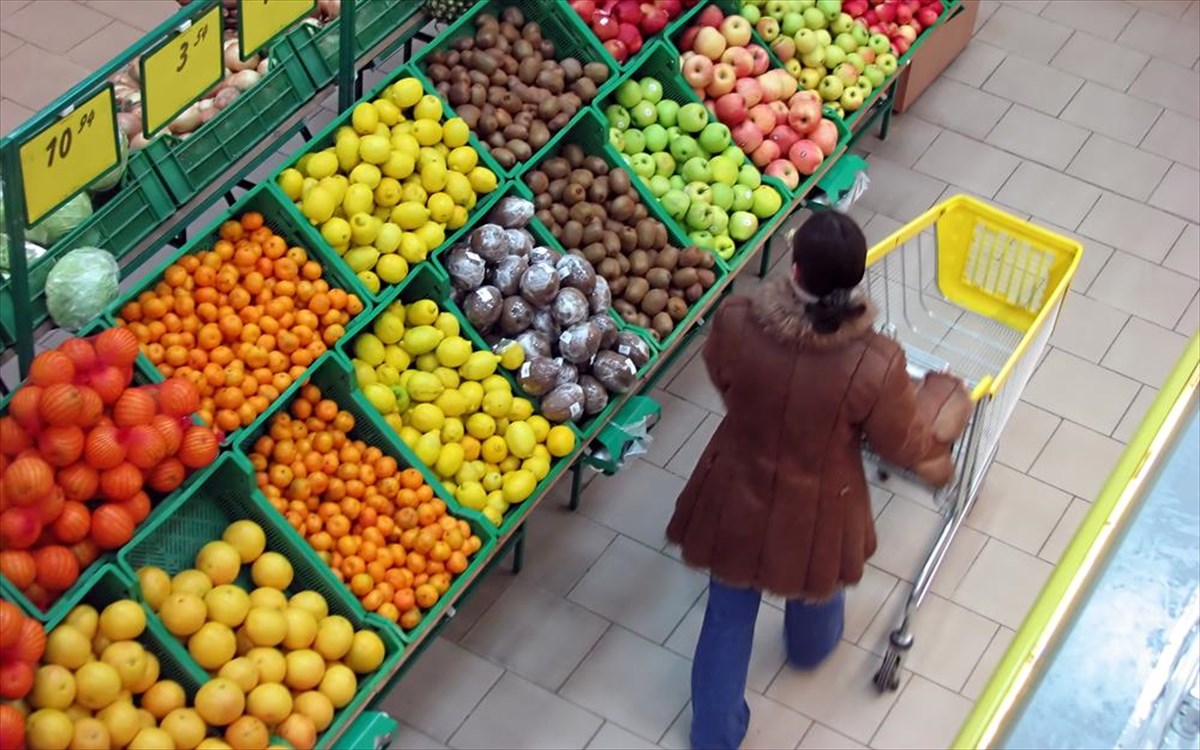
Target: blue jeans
[(720, 714)]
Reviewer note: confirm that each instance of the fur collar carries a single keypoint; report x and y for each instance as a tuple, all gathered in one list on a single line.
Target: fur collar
[(779, 308)]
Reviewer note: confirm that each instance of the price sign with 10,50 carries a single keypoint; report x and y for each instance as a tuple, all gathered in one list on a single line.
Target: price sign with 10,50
[(69, 154), (181, 70)]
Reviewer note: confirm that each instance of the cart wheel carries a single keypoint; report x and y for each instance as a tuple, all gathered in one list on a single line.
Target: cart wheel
[(888, 676), (884, 475)]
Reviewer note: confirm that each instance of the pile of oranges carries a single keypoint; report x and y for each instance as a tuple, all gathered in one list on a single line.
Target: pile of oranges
[(379, 527), (242, 321)]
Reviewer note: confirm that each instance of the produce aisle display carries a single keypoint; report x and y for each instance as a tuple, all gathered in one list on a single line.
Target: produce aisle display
[(245, 490)]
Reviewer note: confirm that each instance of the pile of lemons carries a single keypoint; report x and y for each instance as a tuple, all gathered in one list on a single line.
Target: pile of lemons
[(281, 667), (395, 181), (449, 404)]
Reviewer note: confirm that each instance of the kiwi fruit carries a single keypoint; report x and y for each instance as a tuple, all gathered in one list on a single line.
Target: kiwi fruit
[(662, 325), (677, 308), (635, 290), (659, 278), (654, 301)]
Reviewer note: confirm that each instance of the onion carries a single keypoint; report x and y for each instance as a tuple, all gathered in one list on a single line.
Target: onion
[(129, 123), (134, 71), (234, 62), (330, 9), (264, 66), (187, 121), (138, 141), (244, 80), (225, 97)]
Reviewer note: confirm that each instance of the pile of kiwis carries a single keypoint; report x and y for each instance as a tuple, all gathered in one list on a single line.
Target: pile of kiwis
[(507, 85), (553, 305), (594, 210)]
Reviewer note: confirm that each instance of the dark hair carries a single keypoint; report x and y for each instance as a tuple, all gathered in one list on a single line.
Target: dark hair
[(830, 253)]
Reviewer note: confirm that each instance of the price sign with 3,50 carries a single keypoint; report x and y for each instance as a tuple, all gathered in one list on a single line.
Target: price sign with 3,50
[(67, 156), (181, 70)]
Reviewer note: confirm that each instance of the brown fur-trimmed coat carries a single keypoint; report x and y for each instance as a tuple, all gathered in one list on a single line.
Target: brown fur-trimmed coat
[(779, 500)]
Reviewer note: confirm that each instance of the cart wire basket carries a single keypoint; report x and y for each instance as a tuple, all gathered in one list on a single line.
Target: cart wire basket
[(966, 289)]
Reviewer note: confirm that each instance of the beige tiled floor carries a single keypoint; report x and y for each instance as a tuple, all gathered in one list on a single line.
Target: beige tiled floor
[(1081, 115)]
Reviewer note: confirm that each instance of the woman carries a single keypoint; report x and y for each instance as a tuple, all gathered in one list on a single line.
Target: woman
[(779, 500)]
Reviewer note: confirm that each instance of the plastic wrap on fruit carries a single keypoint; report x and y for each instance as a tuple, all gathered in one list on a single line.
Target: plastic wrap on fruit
[(607, 327), (483, 307), (518, 242), (567, 372), (506, 275), (570, 307), (543, 322), (616, 372), (538, 376), (467, 268), (536, 344), (512, 212), (539, 284), (563, 404), (579, 343), (633, 346), (516, 316), (543, 254), (575, 272), (595, 395), (601, 296), (489, 243)]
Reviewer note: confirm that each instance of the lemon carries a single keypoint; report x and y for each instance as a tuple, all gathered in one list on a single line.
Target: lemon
[(388, 238), (453, 432), (483, 180), (432, 235), (426, 417), (406, 92), (453, 351), (291, 182), (364, 118), (412, 190), (458, 187), (522, 408), (410, 215), (389, 327), (494, 449), (427, 132), (433, 177), (410, 436), (398, 165), (336, 232), (412, 248), (455, 132), (539, 467), (361, 259), (374, 149), (370, 349), (370, 281), (407, 144), (387, 192), (387, 375), (481, 426), (346, 148), (428, 448), (452, 403), (462, 159), (397, 358), (449, 460), (389, 113), (479, 366), (421, 339), (364, 228), (381, 397), (518, 485), (512, 357), (428, 108), (322, 164), (318, 205), (359, 199), (392, 268), (520, 440), (441, 206), (448, 377), (458, 218)]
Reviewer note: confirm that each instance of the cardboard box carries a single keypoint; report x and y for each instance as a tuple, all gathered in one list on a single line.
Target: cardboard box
[(936, 54)]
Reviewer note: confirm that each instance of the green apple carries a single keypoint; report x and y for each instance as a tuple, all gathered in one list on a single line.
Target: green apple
[(749, 176), (846, 41), (834, 56), (751, 13), (815, 19), (715, 137), (824, 37), (696, 169), (635, 142), (743, 197), (701, 238), (676, 204), (642, 165), (718, 221), (643, 113), (668, 111), (659, 185), (656, 137), (616, 137), (699, 215), (652, 90), (699, 192), (722, 169), (673, 132), (685, 147), (722, 196), (806, 41), (873, 74), (735, 153), (857, 61), (629, 94), (664, 164), (831, 8), (693, 117), (742, 225), (678, 183), (618, 116), (841, 23), (767, 201), (723, 246), (791, 23)]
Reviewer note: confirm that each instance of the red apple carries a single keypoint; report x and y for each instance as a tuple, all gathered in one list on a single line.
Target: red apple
[(870, 18), (907, 32), (741, 60), (750, 89), (763, 118), (780, 108), (687, 40), (806, 155), (747, 136), (900, 45), (723, 80), (927, 16), (710, 16), (628, 11), (672, 7), (885, 13), (698, 71), (585, 8), (631, 37), (762, 60), (736, 31), (785, 171), (784, 48), (617, 49), (710, 43), (904, 14), (731, 109), (606, 27), (803, 115), (825, 135), (766, 153), (654, 20), (783, 136)]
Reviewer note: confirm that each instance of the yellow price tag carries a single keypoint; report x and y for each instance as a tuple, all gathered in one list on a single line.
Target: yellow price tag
[(259, 21), (67, 156), (181, 71)]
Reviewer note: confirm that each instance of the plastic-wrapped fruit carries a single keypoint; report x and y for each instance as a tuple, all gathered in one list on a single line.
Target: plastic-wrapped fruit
[(506, 275), (489, 243), (579, 343), (567, 372), (570, 307), (616, 372), (467, 269), (543, 254), (539, 284), (563, 404), (600, 297), (607, 327), (516, 316), (535, 344), (575, 272), (512, 212), (518, 242), (633, 346), (483, 307), (595, 395), (543, 320), (538, 376)]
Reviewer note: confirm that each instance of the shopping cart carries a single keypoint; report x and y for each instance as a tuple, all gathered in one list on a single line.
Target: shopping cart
[(970, 290)]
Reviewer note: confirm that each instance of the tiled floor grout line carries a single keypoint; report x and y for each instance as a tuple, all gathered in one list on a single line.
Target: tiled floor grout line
[(467, 716)]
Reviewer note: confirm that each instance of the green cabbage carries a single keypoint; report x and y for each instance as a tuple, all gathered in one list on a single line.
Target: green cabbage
[(60, 223), (81, 285), (112, 177)]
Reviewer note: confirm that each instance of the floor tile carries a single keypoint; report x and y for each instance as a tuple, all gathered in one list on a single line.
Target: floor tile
[(1077, 460), (55, 75), (864, 600), (105, 45), (960, 107), (898, 192), (1049, 194), (1144, 289), (1135, 414), (1095, 257), (1168, 8), (1026, 132), (962, 161), (1173, 137), (1029, 6), (631, 682), (925, 716), (1185, 256), (1179, 192), (144, 14), (517, 713), (1025, 34), (1064, 530), (1011, 81), (561, 546), (1086, 327), (484, 594), (8, 43), (1145, 352), (821, 737), (1003, 583), (1101, 61), (986, 9), (613, 737), (1103, 18), (1189, 322), (1113, 113), (1131, 226), (637, 501), (679, 420), (1161, 37), (905, 531), (879, 499), (535, 633), (948, 639), (637, 587), (1081, 391), (1119, 167), (1017, 509), (9, 7), (769, 651), (880, 227), (441, 689), (12, 115), (407, 738), (772, 726), (904, 145), (975, 63), (959, 558), (55, 27), (988, 663), (684, 462), (693, 384), (1169, 86), (839, 693)]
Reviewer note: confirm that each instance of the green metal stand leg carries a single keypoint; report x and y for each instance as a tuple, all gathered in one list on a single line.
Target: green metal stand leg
[(576, 483), (518, 560), (889, 107)]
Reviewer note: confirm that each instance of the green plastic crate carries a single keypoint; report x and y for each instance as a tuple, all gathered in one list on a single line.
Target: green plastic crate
[(662, 63), (374, 20), (123, 220), (189, 165), (335, 377), (276, 215), (591, 134), (201, 515), (570, 37)]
